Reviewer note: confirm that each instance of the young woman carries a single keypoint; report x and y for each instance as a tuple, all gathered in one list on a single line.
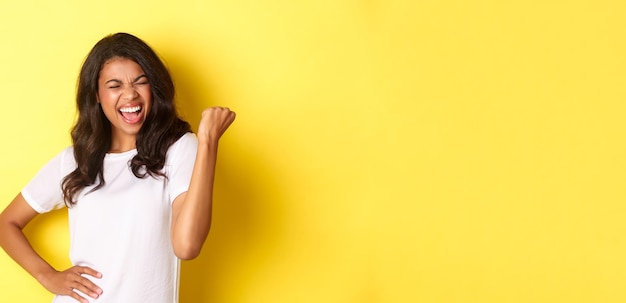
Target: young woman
[(137, 183)]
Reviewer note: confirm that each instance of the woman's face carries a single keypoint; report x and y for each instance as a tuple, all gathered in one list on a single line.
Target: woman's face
[(125, 96)]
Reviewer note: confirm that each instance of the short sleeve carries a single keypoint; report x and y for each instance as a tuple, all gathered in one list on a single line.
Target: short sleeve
[(180, 160), (43, 192)]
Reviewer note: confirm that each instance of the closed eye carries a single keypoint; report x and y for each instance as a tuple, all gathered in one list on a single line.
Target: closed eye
[(113, 83), (141, 80)]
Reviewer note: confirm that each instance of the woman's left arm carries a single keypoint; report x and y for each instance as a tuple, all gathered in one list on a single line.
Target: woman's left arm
[(191, 211)]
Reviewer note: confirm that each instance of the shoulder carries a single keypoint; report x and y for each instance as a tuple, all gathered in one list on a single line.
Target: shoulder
[(65, 157), (185, 141), (184, 147), (67, 160), (68, 152)]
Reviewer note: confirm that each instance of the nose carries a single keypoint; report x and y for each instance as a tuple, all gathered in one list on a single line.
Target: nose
[(129, 94)]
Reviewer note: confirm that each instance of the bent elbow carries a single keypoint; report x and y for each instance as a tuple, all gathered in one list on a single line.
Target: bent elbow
[(187, 252), (187, 245)]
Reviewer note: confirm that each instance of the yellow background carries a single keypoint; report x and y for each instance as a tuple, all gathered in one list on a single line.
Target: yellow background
[(384, 151)]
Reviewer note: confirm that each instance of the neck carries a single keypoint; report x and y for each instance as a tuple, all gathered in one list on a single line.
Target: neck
[(120, 144)]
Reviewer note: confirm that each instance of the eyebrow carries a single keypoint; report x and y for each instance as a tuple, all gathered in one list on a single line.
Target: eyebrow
[(135, 80)]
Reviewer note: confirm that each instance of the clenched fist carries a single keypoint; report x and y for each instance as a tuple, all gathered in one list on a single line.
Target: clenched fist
[(215, 121)]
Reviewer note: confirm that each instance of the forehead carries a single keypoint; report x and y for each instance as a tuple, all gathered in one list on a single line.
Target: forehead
[(120, 68)]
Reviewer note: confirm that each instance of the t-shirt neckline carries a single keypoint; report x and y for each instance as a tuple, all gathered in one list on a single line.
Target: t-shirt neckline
[(122, 154)]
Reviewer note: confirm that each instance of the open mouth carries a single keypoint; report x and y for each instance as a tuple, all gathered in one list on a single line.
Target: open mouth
[(131, 114)]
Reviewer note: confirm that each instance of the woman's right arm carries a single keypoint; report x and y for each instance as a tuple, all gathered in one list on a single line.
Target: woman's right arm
[(12, 239)]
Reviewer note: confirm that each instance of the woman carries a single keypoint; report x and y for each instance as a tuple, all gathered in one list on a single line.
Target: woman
[(137, 183)]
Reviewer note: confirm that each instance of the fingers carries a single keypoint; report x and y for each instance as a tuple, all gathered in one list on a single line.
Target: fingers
[(215, 121), (228, 118), (78, 298), (72, 281), (85, 285), (218, 112), (84, 270)]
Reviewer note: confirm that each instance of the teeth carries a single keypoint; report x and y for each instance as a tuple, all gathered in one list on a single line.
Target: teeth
[(130, 109)]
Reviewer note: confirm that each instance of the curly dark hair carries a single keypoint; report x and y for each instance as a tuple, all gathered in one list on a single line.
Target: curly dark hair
[(91, 135)]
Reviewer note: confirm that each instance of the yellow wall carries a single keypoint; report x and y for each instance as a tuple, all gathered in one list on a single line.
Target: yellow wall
[(385, 151)]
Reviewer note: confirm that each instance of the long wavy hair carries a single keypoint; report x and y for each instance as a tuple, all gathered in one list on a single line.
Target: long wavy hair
[(91, 135)]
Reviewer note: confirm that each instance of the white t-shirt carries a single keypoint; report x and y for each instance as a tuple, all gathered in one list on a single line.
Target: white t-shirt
[(122, 229)]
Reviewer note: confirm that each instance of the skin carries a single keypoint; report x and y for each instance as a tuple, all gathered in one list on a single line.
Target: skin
[(122, 84)]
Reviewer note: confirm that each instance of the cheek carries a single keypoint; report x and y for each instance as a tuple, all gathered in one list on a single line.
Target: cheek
[(146, 93), (107, 103), (147, 96), (105, 97), (109, 111)]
